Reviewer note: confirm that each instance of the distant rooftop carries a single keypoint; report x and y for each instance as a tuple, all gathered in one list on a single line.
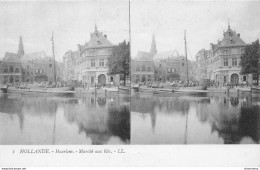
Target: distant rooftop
[(167, 54), (12, 57), (142, 55), (35, 55)]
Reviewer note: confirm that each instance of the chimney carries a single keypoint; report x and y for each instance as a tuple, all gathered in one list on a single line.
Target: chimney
[(79, 47), (238, 35), (20, 47), (105, 36)]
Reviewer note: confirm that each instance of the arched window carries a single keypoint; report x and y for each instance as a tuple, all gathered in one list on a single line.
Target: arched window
[(11, 79), (137, 78), (143, 68), (149, 69), (11, 69), (138, 68), (5, 79), (16, 79), (149, 78), (143, 78), (5, 70), (17, 70)]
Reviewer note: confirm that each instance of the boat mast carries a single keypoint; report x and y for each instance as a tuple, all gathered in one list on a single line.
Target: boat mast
[(186, 55), (54, 72)]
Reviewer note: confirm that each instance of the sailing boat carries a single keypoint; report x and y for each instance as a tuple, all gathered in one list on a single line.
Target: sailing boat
[(190, 89)]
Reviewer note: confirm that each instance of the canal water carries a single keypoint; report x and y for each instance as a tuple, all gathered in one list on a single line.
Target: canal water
[(41, 119), (195, 119)]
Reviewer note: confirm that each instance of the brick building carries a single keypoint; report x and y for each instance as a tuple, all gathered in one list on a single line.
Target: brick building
[(142, 68), (10, 69), (170, 66)]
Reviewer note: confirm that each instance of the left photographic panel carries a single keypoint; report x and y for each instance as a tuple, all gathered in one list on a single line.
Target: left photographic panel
[(64, 73)]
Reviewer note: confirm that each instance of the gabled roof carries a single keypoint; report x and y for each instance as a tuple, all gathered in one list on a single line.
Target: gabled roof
[(35, 55), (13, 57), (98, 40), (167, 54), (142, 55), (231, 38)]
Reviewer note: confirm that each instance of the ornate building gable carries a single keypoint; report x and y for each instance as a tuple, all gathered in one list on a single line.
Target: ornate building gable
[(231, 38), (98, 40)]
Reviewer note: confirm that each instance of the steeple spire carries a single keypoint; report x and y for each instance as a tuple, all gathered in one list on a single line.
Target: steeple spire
[(95, 27), (228, 24), (20, 47), (153, 50)]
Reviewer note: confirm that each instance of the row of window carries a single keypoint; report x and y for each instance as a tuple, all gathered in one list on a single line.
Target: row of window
[(38, 71), (143, 68), (11, 79), (143, 78), (11, 70), (234, 62), (149, 69), (101, 62), (227, 51)]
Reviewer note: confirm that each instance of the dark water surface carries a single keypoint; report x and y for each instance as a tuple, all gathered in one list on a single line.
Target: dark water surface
[(195, 119), (42, 119)]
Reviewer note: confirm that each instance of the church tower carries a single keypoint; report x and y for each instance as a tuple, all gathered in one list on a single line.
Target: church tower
[(20, 48), (153, 50)]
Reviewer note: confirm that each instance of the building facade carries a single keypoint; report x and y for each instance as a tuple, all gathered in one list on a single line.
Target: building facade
[(10, 72), (69, 65), (202, 63), (142, 71), (89, 64), (222, 60), (170, 66), (38, 67)]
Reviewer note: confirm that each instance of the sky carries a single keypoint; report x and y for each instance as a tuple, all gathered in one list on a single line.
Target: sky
[(71, 22), (204, 23)]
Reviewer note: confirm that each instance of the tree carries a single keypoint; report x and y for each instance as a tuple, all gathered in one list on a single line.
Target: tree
[(119, 60), (250, 59)]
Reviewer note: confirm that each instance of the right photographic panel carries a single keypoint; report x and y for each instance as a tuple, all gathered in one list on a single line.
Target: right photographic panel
[(195, 72)]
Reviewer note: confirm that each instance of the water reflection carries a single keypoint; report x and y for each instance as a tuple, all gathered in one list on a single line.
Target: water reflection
[(34, 119), (206, 119)]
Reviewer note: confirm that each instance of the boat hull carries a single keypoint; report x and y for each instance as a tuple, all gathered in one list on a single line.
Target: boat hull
[(255, 90), (43, 90), (124, 89)]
